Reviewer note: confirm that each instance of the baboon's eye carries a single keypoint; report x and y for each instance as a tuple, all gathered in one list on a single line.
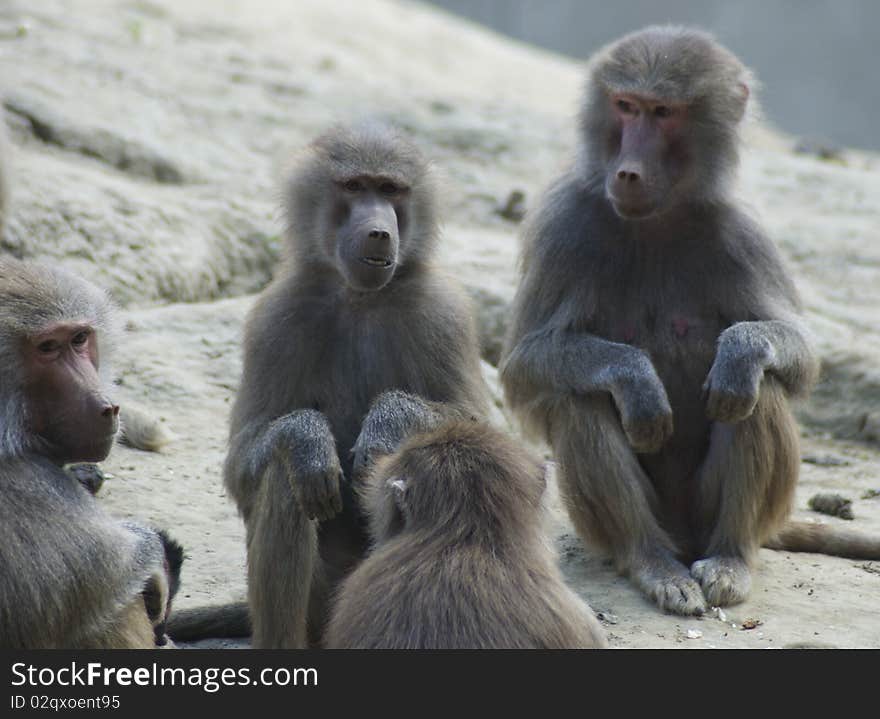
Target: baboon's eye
[(80, 338), (625, 107), (662, 111), (48, 347), (353, 186), (388, 188)]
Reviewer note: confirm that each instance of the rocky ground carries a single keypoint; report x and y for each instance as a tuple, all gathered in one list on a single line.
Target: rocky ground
[(149, 139)]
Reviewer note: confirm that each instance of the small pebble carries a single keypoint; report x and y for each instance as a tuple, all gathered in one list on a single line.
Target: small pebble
[(834, 505)]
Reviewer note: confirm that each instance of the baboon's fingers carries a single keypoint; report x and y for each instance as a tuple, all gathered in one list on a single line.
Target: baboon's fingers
[(325, 512), (88, 475), (336, 504), (304, 493), (649, 435), (332, 494), (155, 594), (728, 407), (322, 496), (323, 515), (319, 492)]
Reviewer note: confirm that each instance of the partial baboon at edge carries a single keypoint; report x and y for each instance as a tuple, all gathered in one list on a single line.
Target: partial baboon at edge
[(460, 558), (70, 575), (656, 340), (358, 342)]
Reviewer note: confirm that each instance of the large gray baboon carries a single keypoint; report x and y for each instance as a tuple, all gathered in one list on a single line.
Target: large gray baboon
[(656, 338), (358, 316), (460, 558), (70, 575)]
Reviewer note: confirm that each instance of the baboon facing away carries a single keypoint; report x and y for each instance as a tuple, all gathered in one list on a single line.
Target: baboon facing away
[(656, 339), (357, 317), (461, 560), (70, 575)]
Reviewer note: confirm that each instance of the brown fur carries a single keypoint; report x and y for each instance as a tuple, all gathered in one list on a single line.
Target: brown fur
[(460, 560), (656, 350), (132, 629), (825, 539)]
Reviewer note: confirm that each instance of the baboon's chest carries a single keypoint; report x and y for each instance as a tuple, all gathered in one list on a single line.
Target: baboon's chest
[(355, 363), (673, 315), (667, 321)]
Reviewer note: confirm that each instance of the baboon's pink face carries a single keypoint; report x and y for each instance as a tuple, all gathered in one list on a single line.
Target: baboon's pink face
[(66, 405), (648, 153), (370, 218)]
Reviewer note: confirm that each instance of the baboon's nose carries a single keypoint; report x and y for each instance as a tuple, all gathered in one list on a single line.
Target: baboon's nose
[(379, 235), (628, 176), (110, 410)]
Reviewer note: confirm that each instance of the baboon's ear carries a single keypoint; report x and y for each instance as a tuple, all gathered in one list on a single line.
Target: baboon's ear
[(398, 486)]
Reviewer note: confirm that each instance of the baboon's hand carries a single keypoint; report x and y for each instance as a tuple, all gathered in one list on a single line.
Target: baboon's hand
[(155, 594), (318, 488), (643, 405), (734, 380), (303, 447), (88, 475), (174, 558), (393, 417)]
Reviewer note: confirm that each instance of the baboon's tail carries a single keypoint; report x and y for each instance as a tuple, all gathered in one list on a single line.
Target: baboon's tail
[(825, 539), (226, 621), (141, 430)]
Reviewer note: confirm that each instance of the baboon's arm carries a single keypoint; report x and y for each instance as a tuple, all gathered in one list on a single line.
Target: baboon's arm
[(394, 416), (581, 363), (748, 350)]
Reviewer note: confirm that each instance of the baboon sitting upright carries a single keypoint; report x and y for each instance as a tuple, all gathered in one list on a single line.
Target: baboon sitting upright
[(70, 575), (357, 316), (656, 339), (461, 560)]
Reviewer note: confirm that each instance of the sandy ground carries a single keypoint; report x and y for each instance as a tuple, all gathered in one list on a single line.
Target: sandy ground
[(184, 361), (175, 210)]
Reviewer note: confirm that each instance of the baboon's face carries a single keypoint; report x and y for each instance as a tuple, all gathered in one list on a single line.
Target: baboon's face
[(662, 115), (649, 156), (67, 407), (368, 221)]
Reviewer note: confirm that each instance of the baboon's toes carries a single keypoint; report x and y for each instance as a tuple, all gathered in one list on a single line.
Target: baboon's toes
[(668, 583), (725, 580)]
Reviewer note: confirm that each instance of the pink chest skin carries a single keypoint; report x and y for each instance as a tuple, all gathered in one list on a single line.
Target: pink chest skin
[(680, 326)]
